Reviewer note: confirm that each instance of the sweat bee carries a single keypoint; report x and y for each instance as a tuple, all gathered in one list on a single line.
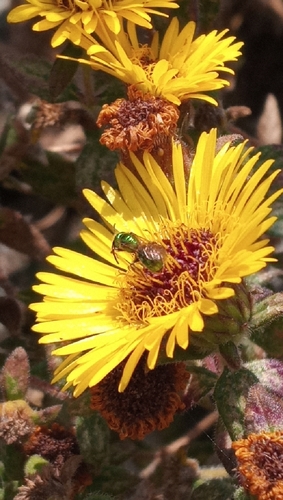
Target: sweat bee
[(150, 254)]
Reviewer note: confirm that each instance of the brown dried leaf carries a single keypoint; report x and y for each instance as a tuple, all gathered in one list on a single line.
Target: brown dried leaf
[(49, 414), (70, 468), (233, 113), (17, 233), (10, 314), (15, 374)]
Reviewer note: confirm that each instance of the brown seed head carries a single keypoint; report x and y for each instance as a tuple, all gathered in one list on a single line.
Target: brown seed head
[(149, 402)]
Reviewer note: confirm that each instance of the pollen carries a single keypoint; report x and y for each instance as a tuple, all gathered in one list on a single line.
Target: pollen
[(143, 57), (141, 122), (191, 256)]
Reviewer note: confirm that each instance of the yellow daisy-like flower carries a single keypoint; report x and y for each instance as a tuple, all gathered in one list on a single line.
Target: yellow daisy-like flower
[(74, 17), (204, 233), (177, 69)]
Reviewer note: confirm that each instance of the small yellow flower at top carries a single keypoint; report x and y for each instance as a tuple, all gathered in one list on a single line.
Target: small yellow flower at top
[(72, 18), (178, 68)]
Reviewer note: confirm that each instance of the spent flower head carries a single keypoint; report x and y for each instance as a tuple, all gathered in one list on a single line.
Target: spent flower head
[(72, 18), (55, 443), (187, 246), (148, 403), (143, 122), (52, 483), (259, 460)]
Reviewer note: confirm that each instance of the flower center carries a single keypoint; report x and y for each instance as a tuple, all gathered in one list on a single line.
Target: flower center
[(268, 458), (65, 4), (143, 56), (189, 265)]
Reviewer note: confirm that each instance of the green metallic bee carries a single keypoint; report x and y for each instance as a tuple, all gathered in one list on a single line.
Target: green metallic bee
[(151, 255)]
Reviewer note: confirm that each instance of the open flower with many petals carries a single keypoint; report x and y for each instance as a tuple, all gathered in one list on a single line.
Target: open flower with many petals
[(179, 68), (204, 235), (74, 17)]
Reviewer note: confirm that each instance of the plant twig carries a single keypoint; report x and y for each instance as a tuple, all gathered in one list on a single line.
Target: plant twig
[(181, 442)]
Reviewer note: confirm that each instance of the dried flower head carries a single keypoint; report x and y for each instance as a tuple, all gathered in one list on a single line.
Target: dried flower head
[(259, 458), (51, 484), (143, 122), (45, 114), (16, 421), (188, 248), (55, 443), (148, 403)]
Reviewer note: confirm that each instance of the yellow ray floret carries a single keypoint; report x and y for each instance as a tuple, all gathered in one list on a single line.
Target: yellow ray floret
[(178, 68), (72, 18)]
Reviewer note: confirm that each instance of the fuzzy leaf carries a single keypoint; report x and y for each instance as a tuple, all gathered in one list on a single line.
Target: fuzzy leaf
[(267, 325), (49, 414), (241, 494), (270, 374), (93, 437), (15, 374), (215, 489), (115, 480), (231, 393), (200, 384), (264, 411)]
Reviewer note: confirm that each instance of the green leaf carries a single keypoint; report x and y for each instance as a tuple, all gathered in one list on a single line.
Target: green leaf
[(266, 325), (231, 393), (201, 383), (241, 494), (215, 489), (54, 180), (95, 163), (115, 480), (34, 465), (97, 496), (15, 374), (93, 437), (32, 74), (63, 70)]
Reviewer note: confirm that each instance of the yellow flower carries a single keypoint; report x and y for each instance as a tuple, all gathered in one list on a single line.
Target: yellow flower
[(74, 17), (207, 233), (177, 69)]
